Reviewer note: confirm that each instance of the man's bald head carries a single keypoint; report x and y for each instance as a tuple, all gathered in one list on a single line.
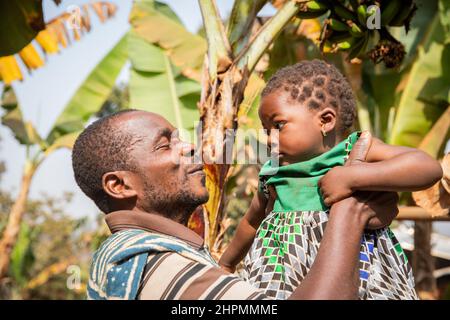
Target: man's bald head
[(102, 147)]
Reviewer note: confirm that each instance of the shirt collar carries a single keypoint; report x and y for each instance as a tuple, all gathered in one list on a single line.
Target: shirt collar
[(127, 219)]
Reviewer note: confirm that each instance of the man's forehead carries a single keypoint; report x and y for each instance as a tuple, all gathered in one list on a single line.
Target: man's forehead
[(143, 122)]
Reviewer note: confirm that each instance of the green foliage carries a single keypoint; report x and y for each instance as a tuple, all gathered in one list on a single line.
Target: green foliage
[(48, 236), (185, 50), (22, 256), (20, 21), (158, 86), (119, 99), (425, 97)]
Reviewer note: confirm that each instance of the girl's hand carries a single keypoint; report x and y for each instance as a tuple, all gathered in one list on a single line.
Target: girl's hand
[(336, 185)]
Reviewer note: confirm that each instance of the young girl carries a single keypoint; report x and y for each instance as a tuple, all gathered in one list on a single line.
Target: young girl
[(312, 108)]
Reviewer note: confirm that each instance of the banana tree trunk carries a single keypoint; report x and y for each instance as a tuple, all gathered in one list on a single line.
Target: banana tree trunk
[(230, 61), (218, 114), (11, 231)]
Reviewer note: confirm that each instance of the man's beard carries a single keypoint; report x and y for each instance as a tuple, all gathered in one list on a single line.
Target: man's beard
[(176, 206)]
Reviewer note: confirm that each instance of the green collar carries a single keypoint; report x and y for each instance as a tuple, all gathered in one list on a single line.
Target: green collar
[(296, 184)]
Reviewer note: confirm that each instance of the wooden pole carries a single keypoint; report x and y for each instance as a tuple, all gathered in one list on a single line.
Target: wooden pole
[(423, 262), (417, 213)]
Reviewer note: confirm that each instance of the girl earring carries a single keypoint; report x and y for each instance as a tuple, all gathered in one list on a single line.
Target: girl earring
[(324, 133)]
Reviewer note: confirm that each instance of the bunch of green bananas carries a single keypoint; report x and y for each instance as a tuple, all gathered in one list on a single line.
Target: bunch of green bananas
[(346, 27)]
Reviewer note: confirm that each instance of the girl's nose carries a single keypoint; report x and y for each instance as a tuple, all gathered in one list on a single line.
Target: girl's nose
[(272, 140)]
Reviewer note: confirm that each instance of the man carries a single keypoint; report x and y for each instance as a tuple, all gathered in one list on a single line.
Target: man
[(136, 169)]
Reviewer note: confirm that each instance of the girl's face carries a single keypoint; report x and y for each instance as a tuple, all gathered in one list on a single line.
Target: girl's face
[(299, 128)]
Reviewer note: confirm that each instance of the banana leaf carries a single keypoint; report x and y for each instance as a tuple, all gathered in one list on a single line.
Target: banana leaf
[(426, 94), (65, 141), (24, 132), (156, 85), (92, 93), (157, 24), (240, 23), (444, 15), (20, 22), (434, 141), (380, 96), (57, 32)]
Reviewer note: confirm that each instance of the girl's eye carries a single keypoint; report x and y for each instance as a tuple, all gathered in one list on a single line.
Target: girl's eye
[(279, 125)]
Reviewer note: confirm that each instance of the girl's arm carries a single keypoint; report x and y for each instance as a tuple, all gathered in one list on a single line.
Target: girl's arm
[(396, 168), (245, 233), (388, 168)]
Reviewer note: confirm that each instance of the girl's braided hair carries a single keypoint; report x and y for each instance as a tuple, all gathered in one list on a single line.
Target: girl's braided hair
[(317, 84)]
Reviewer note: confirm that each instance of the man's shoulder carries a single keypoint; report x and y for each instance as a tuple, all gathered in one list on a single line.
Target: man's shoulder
[(171, 276), (141, 240), (123, 257), (131, 242)]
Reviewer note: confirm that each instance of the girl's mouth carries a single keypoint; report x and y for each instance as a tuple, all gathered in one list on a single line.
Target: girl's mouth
[(277, 155)]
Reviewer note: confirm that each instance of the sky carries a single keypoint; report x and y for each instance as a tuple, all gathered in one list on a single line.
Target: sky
[(44, 94)]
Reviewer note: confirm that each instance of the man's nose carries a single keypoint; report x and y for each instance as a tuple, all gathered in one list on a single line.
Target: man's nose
[(187, 149)]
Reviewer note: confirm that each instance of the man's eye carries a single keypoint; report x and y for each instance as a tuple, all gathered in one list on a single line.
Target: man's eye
[(163, 146)]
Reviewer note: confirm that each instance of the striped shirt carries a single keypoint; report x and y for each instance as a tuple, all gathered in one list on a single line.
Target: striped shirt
[(169, 275)]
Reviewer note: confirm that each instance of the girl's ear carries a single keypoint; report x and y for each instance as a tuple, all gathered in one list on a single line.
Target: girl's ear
[(327, 118)]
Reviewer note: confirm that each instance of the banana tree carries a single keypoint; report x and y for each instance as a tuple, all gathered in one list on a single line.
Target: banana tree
[(232, 53), (86, 101), (170, 62), (166, 70), (402, 105), (410, 106), (232, 56)]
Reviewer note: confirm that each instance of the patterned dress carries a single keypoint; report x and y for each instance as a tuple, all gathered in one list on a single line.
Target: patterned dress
[(288, 239)]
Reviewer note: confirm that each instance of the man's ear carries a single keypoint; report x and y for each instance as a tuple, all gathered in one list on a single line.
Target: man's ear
[(118, 184), (327, 119)]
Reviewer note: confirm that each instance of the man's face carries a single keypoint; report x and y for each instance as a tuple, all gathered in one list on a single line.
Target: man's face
[(166, 179)]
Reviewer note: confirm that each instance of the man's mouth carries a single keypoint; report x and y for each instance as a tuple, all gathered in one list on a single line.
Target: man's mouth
[(197, 170)]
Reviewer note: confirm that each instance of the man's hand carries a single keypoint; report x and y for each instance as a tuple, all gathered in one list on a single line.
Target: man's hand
[(382, 207)]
